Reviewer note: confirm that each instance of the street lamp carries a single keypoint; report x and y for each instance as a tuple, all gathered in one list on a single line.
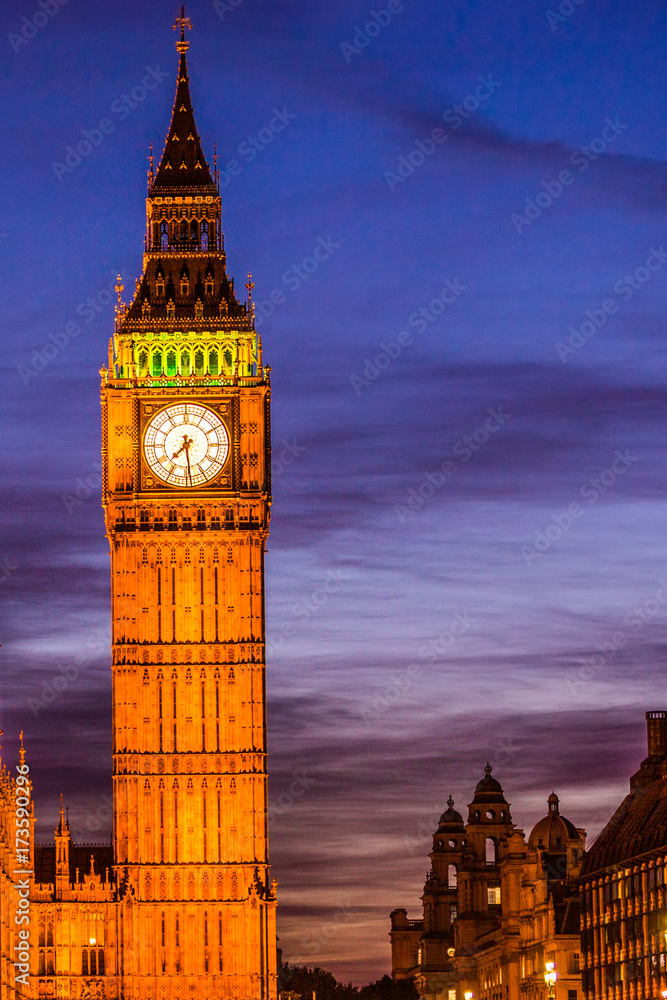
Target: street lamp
[(550, 977)]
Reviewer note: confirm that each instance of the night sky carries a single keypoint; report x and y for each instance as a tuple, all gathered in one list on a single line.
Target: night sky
[(467, 553)]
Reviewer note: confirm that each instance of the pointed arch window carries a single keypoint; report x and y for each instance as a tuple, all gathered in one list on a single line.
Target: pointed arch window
[(93, 962), (213, 362), (156, 363), (199, 362), (185, 363), (172, 367), (164, 235), (84, 962), (204, 236), (142, 362), (227, 359), (194, 232)]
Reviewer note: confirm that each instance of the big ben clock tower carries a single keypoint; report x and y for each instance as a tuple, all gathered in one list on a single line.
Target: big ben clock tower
[(185, 418)]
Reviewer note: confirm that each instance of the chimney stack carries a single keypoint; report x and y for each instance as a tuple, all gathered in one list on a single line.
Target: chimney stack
[(656, 727)]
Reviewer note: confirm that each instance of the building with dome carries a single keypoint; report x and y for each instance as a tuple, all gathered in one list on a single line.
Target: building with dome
[(496, 906)]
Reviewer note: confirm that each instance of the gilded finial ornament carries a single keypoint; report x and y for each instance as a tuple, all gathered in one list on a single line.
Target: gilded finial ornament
[(22, 749), (182, 22)]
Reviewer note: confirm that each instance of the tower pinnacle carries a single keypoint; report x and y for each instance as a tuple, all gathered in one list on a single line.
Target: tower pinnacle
[(182, 22)]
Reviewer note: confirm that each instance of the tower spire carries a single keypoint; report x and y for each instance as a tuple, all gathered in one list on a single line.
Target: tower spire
[(183, 165)]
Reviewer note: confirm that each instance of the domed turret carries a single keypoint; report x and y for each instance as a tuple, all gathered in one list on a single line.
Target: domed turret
[(451, 821), (553, 833), (488, 789)]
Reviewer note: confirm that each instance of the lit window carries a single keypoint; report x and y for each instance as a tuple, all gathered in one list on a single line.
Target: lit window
[(493, 895)]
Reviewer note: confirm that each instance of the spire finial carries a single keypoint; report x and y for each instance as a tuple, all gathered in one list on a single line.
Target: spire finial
[(250, 284), (22, 749), (62, 811), (488, 769), (450, 802), (182, 22)]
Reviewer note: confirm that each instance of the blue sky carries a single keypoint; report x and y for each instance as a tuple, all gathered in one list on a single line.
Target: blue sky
[(495, 543)]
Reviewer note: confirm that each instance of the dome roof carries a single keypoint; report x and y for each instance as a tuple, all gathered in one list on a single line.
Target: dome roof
[(451, 819), (553, 832), (488, 789)]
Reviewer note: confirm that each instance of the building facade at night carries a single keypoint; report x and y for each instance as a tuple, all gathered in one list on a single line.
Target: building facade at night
[(624, 898), (181, 905), (496, 907)]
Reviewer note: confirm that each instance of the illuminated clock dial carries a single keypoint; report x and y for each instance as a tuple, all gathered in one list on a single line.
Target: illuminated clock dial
[(186, 445)]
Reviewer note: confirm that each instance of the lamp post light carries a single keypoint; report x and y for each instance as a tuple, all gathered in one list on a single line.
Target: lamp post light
[(550, 977)]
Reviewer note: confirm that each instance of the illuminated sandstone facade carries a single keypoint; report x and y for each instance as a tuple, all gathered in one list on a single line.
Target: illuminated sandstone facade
[(182, 904), (496, 907)]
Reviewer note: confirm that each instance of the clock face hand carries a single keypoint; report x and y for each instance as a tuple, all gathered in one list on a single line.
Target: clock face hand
[(187, 455), (184, 447)]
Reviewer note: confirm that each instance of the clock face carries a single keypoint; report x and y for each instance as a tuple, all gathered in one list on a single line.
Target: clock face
[(186, 445)]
